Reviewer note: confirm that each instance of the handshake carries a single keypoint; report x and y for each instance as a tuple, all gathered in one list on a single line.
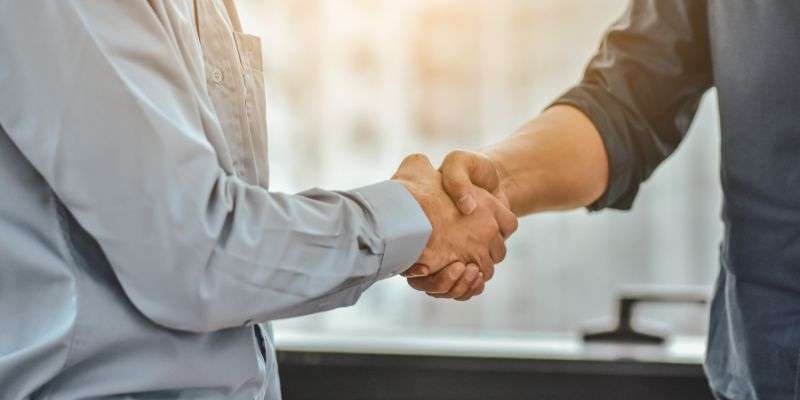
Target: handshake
[(471, 219)]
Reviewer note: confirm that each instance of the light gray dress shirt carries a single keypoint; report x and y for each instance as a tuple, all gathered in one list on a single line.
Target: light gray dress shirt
[(139, 245)]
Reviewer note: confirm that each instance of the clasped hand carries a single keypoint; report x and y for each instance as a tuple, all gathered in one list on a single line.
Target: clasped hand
[(470, 218)]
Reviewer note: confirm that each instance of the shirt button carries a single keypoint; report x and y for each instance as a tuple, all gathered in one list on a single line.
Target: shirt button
[(217, 75)]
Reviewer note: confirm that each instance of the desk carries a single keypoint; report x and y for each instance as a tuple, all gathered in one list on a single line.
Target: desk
[(442, 366)]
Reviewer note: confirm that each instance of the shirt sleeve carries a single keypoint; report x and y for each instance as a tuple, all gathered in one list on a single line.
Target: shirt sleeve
[(642, 88), (98, 98)]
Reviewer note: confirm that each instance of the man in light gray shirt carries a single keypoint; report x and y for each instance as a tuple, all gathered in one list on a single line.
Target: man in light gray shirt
[(141, 253)]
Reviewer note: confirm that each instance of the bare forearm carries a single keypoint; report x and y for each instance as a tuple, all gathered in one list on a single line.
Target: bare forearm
[(557, 161)]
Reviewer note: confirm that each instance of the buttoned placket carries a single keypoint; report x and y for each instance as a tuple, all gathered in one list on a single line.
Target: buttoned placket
[(246, 165), (230, 60)]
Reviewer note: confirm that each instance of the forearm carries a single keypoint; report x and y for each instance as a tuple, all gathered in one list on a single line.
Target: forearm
[(557, 161), (193, 246)]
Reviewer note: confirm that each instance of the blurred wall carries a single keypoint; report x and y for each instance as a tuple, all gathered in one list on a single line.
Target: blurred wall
[(354, 85)]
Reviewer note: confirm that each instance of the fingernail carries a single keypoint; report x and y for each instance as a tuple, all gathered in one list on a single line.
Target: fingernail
[(416, 271), (468, 204)]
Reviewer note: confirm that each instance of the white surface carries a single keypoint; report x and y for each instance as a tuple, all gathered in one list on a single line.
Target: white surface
[(680, 349)]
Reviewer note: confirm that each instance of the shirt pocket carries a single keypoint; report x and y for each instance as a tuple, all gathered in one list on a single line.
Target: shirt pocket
[(254, 100), (225, 85)]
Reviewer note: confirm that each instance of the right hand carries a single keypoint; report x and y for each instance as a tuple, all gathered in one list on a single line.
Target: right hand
[(477, 238), (466, 172)]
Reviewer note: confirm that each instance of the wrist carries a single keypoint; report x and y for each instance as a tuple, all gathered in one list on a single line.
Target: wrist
[(398, 222), (422, 198)]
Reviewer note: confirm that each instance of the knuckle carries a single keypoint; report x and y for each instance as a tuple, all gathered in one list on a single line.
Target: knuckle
[(457, 155), (459, 291), (509, 221), (514, 224), (454, 271), (455, 185), (500, 255), (491, 228), (416, 157), (456, 182), (452, 274), (488, 273)]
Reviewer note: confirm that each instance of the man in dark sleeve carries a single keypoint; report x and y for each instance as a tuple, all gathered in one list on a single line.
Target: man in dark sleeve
[(605, 136)]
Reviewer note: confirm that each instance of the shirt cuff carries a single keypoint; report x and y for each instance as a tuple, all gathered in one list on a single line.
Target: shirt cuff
[(604, 113), (402, 225)]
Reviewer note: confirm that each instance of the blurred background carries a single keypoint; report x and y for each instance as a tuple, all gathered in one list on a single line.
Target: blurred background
[(355, 85)]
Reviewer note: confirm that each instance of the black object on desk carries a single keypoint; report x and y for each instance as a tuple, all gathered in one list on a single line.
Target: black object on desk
[(630, 296)]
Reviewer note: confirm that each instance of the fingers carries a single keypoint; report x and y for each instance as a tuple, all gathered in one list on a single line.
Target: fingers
[(417, 270), (456, 281), (475, 290), (506, 220), (461, 171), (497, 249), (485, 264), (440, 282), (462, 287)]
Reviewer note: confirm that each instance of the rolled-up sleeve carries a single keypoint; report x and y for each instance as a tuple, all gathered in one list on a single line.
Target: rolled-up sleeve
[(642, 88), (98, 98)]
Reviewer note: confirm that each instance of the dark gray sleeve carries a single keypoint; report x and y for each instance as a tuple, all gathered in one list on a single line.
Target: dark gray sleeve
[(642, 89)]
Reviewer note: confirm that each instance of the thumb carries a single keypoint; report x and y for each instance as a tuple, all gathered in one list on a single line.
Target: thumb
[(461, 171), (458, 185), (417, 270), (412, 165)]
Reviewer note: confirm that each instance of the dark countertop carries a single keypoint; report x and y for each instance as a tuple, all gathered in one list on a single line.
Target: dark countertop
[(442, 365)]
